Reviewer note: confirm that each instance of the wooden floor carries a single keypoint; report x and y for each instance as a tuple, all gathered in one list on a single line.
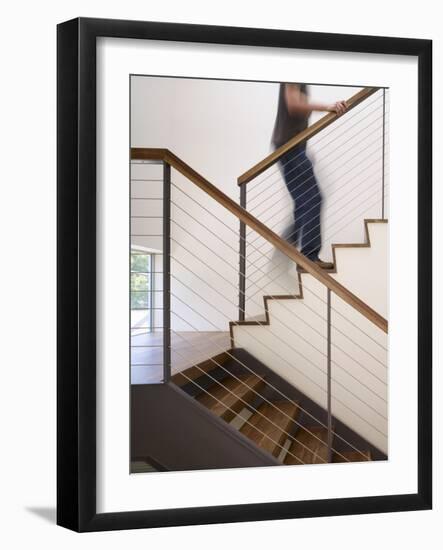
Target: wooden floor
[(187, 349)]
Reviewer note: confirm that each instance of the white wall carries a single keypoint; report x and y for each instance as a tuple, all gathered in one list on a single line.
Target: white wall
[(204, 122), (364, 271)]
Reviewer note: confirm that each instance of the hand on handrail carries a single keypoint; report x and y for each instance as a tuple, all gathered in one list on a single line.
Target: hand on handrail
[(339, 107)]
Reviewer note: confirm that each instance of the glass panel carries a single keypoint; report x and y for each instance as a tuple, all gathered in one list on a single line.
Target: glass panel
[(140, 281), (146, 170), (141, 319), (146, 227), (146, 295), (140, 262), (147, 357), (140, 300), (146, 187)]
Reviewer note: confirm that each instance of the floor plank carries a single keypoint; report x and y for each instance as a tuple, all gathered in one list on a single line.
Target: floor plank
[(309, 447), (227, 398), (269, 426)]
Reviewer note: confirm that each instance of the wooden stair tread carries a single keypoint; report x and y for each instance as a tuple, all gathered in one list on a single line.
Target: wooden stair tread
[(196, 371), (307, 448), (268, 426), (229, 396), (352, 456)]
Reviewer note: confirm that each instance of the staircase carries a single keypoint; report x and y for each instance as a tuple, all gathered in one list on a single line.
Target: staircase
[(305, 380), (304, 313), (241, 397), (236, 388)]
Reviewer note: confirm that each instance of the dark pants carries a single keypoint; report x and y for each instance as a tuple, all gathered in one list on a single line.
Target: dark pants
[(303, 188)]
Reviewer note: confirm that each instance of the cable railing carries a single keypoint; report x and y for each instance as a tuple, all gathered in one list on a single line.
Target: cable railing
[(261, 229), (324, 340), (211, 299), (350, 153), (223, 297)]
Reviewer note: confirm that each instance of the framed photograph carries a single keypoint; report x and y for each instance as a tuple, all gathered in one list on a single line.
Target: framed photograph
[(244, 274)]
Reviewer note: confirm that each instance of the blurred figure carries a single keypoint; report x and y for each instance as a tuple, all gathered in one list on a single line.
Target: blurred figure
[(293, 112)]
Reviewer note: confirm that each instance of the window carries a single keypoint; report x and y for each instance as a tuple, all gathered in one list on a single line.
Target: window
[(142, 268)]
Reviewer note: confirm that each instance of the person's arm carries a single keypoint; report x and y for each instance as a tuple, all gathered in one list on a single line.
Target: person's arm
[(297, 103)]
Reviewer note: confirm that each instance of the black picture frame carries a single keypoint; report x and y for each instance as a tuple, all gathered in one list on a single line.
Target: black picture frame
[(76, 264)]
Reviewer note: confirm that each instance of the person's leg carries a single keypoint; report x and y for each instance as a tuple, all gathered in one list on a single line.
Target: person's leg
[(293, 164), (305, 192), (309, 200)]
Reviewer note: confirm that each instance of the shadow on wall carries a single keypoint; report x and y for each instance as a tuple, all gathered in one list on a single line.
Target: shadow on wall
[(45, 513)]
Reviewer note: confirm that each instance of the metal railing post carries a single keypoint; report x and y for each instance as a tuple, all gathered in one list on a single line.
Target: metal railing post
[(383, 159), (166, 272), (329, 376), (242, 260)]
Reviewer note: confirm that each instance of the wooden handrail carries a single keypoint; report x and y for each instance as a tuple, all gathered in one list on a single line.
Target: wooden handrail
[(302, 136), (290, 251)]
